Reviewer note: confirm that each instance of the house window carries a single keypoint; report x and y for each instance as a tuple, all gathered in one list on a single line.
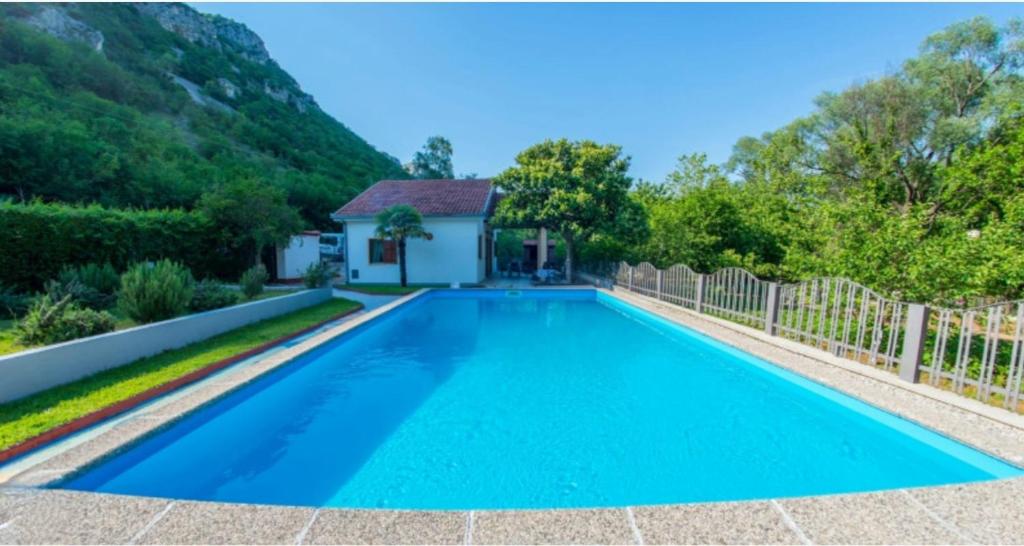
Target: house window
[(479, 247), (382, 251)]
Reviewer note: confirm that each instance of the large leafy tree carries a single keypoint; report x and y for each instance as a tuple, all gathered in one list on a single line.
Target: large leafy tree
[(401, 223), (886, 179), (910, 183), (434, 160), (250, 215), (573, 188)]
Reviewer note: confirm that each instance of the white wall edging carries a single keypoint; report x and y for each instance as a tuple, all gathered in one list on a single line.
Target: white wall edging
[(28, 372)]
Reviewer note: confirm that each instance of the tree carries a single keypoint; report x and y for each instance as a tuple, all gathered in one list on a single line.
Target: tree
[(434, 161), (250, 215), (573, 188), (400, 223)]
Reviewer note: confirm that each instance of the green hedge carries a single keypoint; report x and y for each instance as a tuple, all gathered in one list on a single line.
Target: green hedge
[(38, 239)]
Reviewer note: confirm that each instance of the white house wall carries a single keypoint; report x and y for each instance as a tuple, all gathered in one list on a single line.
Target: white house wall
[(302, 251), (451, 256)]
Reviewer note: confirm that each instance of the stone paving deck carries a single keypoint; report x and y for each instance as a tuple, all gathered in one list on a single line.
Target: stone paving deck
[(984, 512), (981, 513)]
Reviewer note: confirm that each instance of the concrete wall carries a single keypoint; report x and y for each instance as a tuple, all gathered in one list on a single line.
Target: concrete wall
[(301, 252), (451, 256), (28, 372)]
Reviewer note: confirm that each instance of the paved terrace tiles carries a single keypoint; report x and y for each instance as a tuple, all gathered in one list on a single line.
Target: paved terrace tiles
[(984, 512)]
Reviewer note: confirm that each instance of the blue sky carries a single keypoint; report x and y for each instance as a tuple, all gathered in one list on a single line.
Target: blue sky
[(658, 79)]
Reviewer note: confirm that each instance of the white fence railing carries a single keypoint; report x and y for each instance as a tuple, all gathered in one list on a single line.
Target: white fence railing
[(737, 295), (845, 318), (976, 352)]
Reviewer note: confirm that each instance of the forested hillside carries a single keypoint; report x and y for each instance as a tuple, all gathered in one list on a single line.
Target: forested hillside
[(155, 106), (912, 183)]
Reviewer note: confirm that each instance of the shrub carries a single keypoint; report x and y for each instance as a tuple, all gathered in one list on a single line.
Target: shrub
[(252, 281), (13, 304), (316, 275), (53, 321), (211, 294), (80, 294), (152, 292), (91, 285), (101, 278)]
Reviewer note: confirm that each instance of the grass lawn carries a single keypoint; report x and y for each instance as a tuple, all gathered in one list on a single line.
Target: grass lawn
[(31, 416), (9, 344)]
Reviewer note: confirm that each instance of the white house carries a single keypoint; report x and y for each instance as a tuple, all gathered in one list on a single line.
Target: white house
[(455, 212)]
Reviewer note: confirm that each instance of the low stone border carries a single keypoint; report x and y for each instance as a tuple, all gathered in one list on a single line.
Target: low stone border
[(983, 512)]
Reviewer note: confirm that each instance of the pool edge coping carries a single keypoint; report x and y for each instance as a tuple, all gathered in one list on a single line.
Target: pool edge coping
[(912, 409), (138, 425), (180, 394), (999, 415), (105, 413)]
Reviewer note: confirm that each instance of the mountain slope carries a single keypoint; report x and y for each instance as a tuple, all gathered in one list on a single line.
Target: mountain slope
[(150, 105)]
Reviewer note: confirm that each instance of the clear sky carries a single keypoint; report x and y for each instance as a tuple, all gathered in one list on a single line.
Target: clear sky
[(658, 79)]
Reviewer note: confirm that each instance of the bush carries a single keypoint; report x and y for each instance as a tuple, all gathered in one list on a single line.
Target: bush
[(79, 293), (92, 285), (252, 281), (101, 278), (52, 321), (316, 275), (13, 304), (211, 294), (152, 292), (40, 239)]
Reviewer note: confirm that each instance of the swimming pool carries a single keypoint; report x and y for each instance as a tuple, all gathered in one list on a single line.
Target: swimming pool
[(475, 399)]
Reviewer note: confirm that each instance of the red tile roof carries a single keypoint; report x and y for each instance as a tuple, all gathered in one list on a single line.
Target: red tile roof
[(430, 197)]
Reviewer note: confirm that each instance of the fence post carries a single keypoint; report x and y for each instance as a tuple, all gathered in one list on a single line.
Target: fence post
[(771, 312), (630, 285), (913, 342), (700, 293), (658, 277)]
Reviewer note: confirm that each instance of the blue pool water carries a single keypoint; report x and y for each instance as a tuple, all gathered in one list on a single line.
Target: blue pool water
[(487, 399)]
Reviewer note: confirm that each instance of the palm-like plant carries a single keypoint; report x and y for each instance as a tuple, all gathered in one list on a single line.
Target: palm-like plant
[(399, 223)]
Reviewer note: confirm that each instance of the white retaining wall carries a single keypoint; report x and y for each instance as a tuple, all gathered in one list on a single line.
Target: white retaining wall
[(29, 372)]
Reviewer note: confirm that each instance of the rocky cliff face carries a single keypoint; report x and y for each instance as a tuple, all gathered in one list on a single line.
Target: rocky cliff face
[(207, 30), (211, 31), (224, 34), (58, 23)]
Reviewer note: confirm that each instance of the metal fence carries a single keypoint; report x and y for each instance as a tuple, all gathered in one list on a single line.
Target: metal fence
[(845, 318), (976, 352), (737, 295), (679, 286)]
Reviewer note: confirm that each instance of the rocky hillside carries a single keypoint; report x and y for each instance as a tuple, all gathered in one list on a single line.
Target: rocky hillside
[(149, 105)]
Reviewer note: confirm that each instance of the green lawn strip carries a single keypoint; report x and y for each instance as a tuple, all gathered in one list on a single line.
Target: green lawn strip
[(31, 416)]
